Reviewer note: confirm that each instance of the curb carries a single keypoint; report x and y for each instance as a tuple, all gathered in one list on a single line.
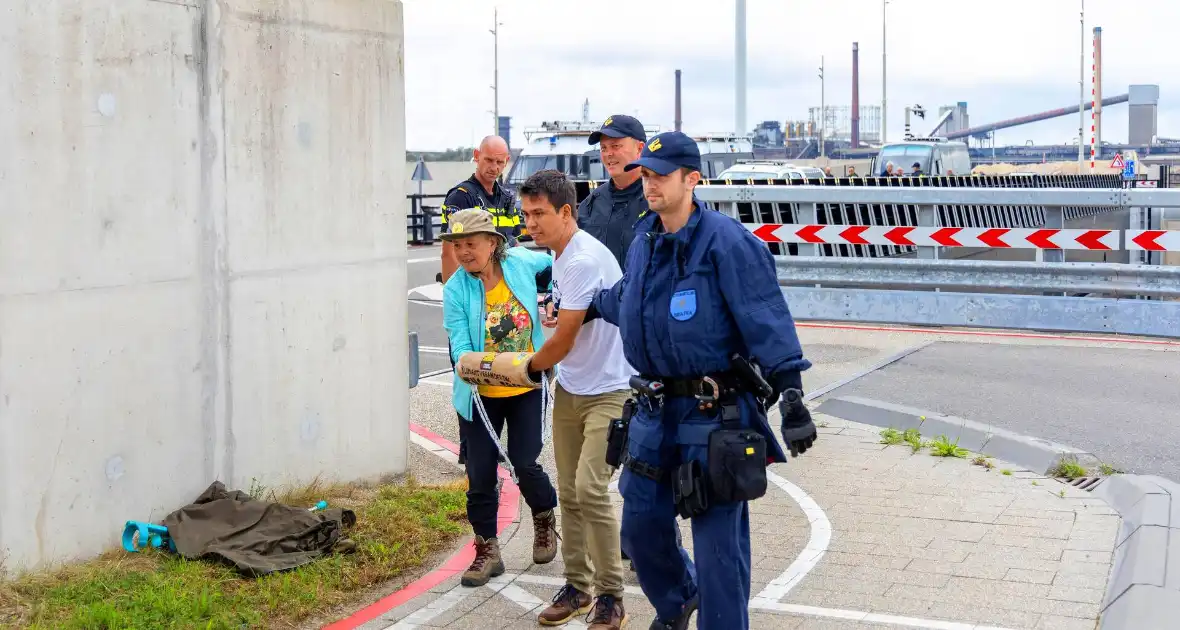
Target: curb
[(1036, 454), (1143, 589), (458, 562)]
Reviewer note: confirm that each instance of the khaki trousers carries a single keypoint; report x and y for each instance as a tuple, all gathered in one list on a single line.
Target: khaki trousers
[(589, 527)]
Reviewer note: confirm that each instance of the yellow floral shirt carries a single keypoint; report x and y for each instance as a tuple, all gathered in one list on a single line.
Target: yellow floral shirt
[(507, 328)]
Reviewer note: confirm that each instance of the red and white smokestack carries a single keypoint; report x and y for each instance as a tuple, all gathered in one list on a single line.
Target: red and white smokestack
[(1096, 107)]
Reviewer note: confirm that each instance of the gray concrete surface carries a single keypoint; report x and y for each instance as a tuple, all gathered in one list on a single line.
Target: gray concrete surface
[(201, 269), (1120, 403), (1144, 590), (854, 535)]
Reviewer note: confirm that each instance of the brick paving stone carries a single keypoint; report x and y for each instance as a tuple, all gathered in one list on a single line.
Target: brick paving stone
[(912, 535)]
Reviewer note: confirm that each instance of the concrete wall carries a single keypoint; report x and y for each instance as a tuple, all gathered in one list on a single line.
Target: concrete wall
[(202, 246)]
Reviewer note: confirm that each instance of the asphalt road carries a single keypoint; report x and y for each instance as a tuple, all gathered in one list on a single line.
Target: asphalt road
[(1121, 404), (425, 308)]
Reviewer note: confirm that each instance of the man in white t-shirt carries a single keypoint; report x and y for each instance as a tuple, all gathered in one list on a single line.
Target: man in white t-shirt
[(592, 384)]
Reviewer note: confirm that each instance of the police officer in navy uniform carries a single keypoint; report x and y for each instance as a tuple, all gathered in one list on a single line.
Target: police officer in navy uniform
[(481, 190), (699, 302), (610, 211)]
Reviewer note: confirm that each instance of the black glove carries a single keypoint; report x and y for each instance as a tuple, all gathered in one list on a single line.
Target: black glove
[(798, 429)]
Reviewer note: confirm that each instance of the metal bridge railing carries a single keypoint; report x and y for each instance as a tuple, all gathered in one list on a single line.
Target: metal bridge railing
[(424, 221), (845, 266), (996, 214)]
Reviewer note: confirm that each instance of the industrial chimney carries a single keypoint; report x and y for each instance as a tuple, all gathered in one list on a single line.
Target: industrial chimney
[(678, 120), (740, 67), (855, 95)]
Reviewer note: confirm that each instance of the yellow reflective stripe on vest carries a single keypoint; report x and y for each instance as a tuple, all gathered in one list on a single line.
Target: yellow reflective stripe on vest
[(500, 217)]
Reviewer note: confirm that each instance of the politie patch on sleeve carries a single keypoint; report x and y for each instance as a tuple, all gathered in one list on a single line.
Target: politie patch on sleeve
[(683, 305)]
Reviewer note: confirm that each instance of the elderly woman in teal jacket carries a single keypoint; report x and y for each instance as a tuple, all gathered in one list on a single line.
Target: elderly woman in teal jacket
[(491, 306)]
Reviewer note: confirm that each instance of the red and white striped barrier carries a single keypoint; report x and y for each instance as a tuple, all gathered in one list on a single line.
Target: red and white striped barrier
[(1154, 240), (936, 236)]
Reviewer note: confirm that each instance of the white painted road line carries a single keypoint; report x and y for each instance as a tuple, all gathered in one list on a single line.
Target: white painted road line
[(817, 544), (551, 580), (432, 291), (504, 585), (422, 260), (894, 620), (433, 609), (767, 600), (433, 350)]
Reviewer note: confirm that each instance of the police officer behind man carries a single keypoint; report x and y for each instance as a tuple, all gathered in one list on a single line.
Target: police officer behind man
[(698, 290), (483, 191), (609, 213)]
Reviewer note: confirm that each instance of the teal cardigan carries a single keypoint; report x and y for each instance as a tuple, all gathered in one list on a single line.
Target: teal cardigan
[(465, 303)]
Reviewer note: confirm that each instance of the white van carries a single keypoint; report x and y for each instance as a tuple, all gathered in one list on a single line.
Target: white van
[(935, 156)]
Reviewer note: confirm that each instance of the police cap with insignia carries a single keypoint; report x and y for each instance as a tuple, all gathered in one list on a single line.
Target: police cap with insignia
[(667, 152), (620, 126)]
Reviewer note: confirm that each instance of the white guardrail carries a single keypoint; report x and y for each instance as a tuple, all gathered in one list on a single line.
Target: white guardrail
[(1048, 294)]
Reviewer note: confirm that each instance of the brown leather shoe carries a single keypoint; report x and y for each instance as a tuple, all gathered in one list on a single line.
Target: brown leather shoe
[(567, 604), (544, 537), (487, 564), (608, 614)]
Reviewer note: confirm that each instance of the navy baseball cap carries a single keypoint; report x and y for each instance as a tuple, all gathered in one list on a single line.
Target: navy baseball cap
[(667, 152), (620, 126)]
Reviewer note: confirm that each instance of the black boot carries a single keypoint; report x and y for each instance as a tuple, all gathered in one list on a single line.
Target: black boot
[(681, 622)]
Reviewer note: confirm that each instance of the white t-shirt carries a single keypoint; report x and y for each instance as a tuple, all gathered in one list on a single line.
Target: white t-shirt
[(596, 363)]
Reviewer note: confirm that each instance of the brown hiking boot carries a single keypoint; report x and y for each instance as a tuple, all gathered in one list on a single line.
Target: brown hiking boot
[(567, 604), (487, 564), (608, 614), (544, 537)]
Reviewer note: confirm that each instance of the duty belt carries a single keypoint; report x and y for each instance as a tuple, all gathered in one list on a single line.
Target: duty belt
[(713, 386), (644, 469)]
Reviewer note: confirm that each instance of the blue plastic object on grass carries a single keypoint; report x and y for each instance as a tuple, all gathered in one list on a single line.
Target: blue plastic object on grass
[(149, 535)]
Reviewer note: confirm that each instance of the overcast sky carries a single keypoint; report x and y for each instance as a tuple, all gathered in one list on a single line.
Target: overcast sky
[(1005, 58)]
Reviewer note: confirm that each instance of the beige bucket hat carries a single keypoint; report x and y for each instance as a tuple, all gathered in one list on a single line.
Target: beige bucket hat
[(470, 221)]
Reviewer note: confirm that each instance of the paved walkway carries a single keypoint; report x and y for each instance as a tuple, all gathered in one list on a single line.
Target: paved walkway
[(855, 534)]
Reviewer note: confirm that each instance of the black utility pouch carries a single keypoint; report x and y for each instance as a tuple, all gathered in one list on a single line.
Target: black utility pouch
[(616, 435), (689, 490), (737, 465)]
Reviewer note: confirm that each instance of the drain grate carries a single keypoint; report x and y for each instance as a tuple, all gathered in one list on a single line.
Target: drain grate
[(1085, 483)]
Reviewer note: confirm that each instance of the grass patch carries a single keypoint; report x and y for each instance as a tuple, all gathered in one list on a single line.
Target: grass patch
[(398, 528), (1108, 470), (914, 439), (891, 436), (985, 461), (1068, 469), (941, 446)]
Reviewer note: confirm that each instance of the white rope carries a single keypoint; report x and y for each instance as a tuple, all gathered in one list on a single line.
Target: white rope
[(483, 415), (546, 428)]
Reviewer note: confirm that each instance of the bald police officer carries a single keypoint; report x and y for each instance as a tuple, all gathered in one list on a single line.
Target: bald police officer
[(699, 309), (482, 190), (610, 211)]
